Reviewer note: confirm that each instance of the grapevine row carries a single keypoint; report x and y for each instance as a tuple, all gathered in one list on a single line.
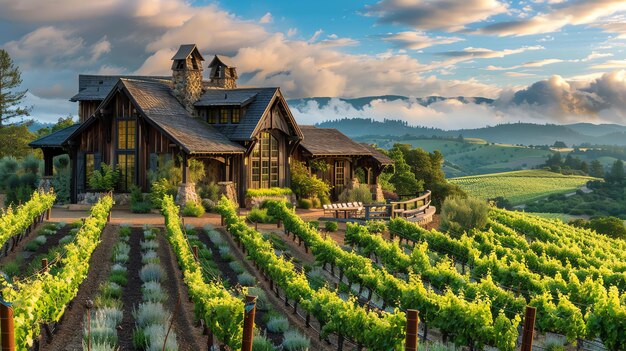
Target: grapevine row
[(222, 312), (562, 317), (347, 318), (15, 222), (465, 322), (43, 300)]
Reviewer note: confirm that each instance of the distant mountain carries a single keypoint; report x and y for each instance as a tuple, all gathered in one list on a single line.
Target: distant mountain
[(36, 125), (359, 103), (513, 133)]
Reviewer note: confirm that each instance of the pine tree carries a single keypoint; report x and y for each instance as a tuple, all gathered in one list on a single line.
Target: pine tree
[(596, 169), (616, 175), (10, 100)]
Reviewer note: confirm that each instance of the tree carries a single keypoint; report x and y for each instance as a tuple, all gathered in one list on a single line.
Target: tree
[(559, 145), (616, 174), (10, 100), (596, 169), (460, 215), (62, 122), (403, 179), (15, 139)]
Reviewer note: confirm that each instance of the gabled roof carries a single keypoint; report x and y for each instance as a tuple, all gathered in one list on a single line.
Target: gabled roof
[(227, 97), (258, 102), (157, 103), (154, 100), (56, 139), (330, 142), (96, 87), (378, 156), (185, 50), (220, 59)]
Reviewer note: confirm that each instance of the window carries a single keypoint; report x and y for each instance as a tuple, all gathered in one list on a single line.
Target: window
[(126, 135), (236, 116), (90, 162), (126, 167), (212, 116), (340, 178), (224, 116), (264, 162), (125, 153)]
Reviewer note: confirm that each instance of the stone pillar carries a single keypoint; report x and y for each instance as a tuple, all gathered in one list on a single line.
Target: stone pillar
[(186, 193), (377, 191), (228, 189)]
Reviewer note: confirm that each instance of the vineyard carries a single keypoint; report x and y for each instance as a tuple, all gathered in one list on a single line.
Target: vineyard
[(520, 187), (182, 287)]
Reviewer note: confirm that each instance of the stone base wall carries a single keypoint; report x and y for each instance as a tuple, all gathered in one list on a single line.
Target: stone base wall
[(228, 189), (91, 198), (186, 193)]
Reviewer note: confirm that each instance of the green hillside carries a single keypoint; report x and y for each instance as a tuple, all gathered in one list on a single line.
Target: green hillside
[(475, 156), (521, 186)]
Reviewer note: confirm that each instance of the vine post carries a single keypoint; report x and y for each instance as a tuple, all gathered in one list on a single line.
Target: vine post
[(248, 323), (195, 252), (412, 321), (529, 328), (7, 332), (44, 264)]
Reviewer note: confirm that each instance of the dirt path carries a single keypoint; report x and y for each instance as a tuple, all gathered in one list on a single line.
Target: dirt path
[(189, 337), (69, 333), (131, 294), (287, 311)]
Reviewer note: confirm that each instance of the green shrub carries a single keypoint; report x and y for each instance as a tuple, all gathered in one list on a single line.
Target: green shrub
[(305, 204), (277, 324), (119, 278), (294, 341), (246, 279), (209, 191), (193, 209), (376, 226), (158, 190), (314, 224), (268, 192), (460, 215), (137, 202), (104, 179), (261, 343), (259, 215), (331, 226), (305, 185), (316, 203), (362, 193)]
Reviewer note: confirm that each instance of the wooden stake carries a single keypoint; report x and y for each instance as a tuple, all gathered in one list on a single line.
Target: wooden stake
[(412, 320), (7, 332), (44, 264), (248, 323), (195, 252), (529, 328)]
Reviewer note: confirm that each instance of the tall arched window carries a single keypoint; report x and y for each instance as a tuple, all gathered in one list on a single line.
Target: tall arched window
[(264, 162)]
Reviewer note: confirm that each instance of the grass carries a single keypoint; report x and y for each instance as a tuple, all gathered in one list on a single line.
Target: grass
[(520, 187)]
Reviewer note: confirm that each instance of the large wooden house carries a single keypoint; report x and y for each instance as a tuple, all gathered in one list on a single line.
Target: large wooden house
[(245, 136)]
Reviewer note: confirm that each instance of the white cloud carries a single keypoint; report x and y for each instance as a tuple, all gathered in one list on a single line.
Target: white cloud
[(530, 64), (449, 15), (569, 13), (267, 18), (610, 64), (417, 40)]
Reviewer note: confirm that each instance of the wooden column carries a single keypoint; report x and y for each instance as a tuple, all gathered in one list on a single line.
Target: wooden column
[(412, 320), (529, 328), (248, 323), (48, 167), (185, 167), (7, 331)]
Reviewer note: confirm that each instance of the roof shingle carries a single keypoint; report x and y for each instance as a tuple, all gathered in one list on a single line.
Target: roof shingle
[(56, 139), (330, 142), (158, 104)]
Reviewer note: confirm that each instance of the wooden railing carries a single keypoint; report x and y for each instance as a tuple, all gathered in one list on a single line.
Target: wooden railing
[(393, 209)]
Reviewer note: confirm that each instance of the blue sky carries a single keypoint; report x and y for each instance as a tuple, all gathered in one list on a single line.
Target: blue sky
[(541, 60)]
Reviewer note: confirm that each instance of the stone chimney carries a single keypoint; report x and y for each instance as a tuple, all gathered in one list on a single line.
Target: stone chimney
[(187, 75), (222, 75)]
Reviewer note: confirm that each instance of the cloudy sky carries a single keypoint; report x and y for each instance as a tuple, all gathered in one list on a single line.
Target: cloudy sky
[(543, 61)]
